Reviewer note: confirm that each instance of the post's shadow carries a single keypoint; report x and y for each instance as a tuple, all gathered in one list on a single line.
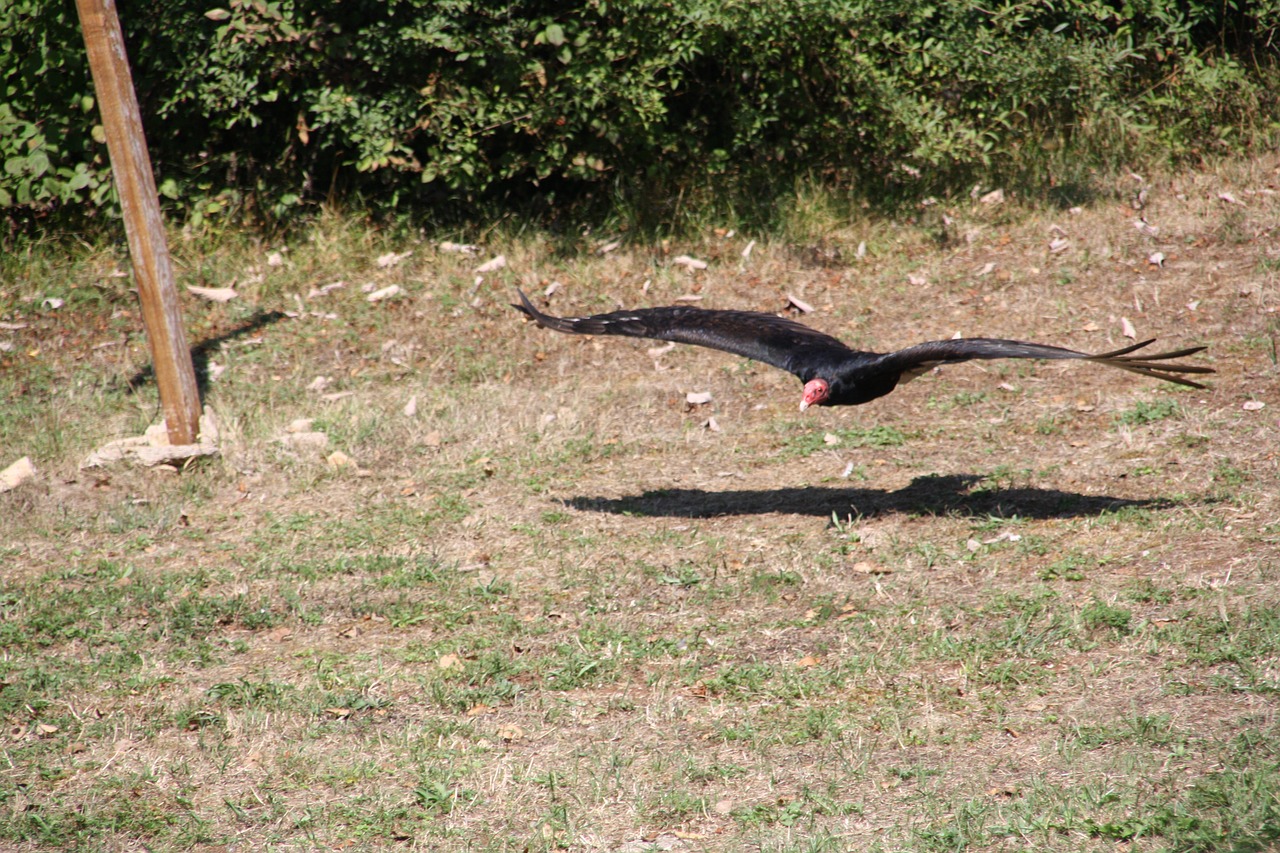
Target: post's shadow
[(200, 352), (934, 494)]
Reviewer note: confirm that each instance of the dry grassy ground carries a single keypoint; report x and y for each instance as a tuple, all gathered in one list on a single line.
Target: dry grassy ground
[(1012, 606)]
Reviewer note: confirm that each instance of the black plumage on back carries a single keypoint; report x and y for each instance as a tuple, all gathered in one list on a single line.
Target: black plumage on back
[(833, 373)]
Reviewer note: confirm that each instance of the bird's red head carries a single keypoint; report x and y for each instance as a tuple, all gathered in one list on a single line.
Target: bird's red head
[(816, 392)]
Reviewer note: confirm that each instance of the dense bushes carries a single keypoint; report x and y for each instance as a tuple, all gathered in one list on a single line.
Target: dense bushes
[(445, 104)]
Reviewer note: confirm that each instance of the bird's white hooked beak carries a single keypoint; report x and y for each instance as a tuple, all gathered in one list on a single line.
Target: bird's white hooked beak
[(815, 391)]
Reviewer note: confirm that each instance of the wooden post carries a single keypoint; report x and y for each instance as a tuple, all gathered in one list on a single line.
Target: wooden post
[(152, 268)]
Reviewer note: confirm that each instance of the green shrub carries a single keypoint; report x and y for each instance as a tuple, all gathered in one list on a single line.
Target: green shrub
[(260, 106)]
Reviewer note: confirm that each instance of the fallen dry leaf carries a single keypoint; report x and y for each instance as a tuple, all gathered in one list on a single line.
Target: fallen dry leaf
[(492, 264), (689, 263), (17, 474), (799, 304), (383, 293), (213, 294), (338, 460), (390, 259), (1126, 328), (697, 398), (510, 732)]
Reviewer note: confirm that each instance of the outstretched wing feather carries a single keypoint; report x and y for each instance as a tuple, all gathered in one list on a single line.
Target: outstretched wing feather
[(1157, 365), (773, 340)]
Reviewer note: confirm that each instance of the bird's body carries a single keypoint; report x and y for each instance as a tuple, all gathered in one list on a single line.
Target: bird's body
[(833, 373)]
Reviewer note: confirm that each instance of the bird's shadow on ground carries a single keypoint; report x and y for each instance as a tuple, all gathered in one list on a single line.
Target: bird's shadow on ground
[(967, 495)]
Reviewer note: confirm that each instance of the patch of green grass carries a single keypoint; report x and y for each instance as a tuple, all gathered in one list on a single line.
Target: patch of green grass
[(1049, 425), (684, 575), (1145, 591), (1100, 616), (772, 584), (802, 440), (961, 399), (248, 694), (1144, 412), (1150, 730), (488, 679), (1236, 807), (1003, 476), (437, 796), (677, 804), (802, 810), (1229, 475), (1071, 568), (1238, 644)]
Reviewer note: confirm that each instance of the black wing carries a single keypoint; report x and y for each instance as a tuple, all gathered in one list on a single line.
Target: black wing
[(773, 340), (919, 358)]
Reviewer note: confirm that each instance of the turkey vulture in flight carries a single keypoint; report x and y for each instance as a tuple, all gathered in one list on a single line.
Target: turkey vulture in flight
[(832, 373)]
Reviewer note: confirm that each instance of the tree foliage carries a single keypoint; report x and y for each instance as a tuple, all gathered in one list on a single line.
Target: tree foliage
[(445, 104)]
